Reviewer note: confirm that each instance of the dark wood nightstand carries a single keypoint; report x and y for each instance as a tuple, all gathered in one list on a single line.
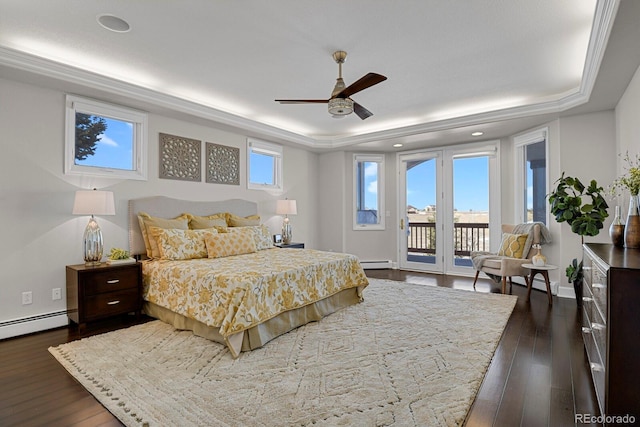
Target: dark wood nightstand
[(292, 245), (103, 291)]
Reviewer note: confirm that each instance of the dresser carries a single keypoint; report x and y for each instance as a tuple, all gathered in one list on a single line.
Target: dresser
[(611, 326), (98, 292)]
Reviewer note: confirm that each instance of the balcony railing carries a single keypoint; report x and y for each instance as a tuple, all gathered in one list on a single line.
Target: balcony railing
[(468, 237)]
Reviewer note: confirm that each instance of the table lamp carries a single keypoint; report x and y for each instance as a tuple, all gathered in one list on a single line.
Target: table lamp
[(93, 202), (286, 207)]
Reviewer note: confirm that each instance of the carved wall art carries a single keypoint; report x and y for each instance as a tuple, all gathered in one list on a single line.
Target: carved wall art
[(180, 158), (223, 164)]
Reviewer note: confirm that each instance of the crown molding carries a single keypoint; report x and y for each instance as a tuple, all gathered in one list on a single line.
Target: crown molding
[(602, 25)]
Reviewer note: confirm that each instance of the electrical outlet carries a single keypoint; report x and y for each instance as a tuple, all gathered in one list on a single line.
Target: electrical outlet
[(27, 298), (56, 294)]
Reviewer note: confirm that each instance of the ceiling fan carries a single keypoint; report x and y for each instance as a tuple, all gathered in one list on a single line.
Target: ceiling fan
[(340, 103)]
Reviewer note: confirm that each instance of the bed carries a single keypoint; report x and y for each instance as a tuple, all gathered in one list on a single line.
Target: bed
[(244, 293)]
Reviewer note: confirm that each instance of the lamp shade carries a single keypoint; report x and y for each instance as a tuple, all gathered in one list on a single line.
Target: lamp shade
[(286, 207), (93, 202)]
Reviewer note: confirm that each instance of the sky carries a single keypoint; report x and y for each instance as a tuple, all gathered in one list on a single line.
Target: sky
[(471, 184), (115, 148)]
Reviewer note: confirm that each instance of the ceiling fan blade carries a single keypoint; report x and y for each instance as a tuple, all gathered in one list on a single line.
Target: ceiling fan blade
[(364, 82), (362, 112), (302, 101)]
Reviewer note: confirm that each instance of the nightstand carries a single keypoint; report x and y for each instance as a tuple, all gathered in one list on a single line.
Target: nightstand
[(98, 292), (292, 245)]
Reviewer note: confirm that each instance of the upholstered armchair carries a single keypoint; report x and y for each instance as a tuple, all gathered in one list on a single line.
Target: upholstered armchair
[(515, 251)]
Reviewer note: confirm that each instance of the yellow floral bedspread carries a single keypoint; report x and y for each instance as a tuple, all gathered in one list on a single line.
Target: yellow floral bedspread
[(238, 292)]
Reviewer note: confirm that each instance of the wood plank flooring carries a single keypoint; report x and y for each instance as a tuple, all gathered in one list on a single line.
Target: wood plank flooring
[(539, 375)]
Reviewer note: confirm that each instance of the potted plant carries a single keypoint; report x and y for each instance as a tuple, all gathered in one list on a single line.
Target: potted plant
[(585, 217)]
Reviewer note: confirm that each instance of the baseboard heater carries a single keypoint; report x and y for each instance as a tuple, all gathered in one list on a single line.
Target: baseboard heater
[(27, 325), (376, 265)]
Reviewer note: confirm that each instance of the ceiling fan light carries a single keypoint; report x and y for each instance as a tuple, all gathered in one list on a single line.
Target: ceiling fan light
[(340, 106)]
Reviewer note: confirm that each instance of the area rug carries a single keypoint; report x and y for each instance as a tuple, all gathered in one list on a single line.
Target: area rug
[(409, 355)]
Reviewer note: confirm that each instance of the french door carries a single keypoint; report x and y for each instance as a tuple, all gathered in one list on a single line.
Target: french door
[(448, 207)]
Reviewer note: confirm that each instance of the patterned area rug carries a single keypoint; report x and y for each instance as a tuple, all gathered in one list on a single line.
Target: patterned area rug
[(409, 355)]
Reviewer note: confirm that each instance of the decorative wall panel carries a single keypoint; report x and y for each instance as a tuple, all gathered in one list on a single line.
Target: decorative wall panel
[(223, 164), (180, 158)]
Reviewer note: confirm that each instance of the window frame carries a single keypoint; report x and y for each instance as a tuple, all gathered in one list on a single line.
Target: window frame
[(76, 104), (269, 149), (520, 170), (380, 159)]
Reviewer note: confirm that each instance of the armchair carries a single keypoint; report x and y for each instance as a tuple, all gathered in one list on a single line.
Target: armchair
[(502, 267)]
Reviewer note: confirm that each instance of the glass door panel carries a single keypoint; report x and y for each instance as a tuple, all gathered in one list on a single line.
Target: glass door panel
[(470, 216), (420, 243)]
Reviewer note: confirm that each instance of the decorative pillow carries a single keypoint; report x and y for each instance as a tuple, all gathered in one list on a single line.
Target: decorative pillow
[(227, 244), (145, 220), (199, 222), (238, 221), (175, 244), (260, 234), (512, 245)]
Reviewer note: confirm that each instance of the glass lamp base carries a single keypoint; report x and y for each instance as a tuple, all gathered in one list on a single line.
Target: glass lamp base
[(93, 245), (286, 232)]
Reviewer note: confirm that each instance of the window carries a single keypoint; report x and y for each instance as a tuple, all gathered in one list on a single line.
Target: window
[(531, 176), (104, 140), (368, 178), (265, 165)]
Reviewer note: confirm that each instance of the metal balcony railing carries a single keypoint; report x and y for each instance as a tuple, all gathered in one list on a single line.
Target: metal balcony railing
[(468, 237)]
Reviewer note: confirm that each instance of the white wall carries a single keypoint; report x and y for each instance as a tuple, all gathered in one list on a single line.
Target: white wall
[(39, 234), (628, 123), (584, 147)]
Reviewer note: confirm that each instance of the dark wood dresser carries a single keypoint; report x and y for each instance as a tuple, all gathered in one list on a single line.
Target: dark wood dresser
[(611, 326)]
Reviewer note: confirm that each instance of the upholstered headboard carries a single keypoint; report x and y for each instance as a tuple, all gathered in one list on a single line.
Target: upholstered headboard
[(166, 207)]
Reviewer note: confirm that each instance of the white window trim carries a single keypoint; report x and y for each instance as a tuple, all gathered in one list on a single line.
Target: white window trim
[(89, 106), (269, 149), (519, 144), (379, 158)]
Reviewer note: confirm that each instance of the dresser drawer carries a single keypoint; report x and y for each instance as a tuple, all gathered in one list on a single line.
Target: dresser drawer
[(111, 303), (599, 289), (595, 363), (110, 281)]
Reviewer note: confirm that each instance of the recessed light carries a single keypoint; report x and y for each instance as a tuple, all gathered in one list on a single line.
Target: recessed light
[(477, 133), (113, 23), (397, 145)]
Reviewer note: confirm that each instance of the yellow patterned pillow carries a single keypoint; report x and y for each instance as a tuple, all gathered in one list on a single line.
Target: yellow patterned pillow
[(175, 244), (260, 234), (238, 221), (512, 245), (199, 222), (145, 220), (227, 244)]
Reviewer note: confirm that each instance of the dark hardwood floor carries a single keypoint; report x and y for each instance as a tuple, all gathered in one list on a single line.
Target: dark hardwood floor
[(539, 375)]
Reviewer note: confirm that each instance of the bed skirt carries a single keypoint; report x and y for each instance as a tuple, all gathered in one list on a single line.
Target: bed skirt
[(261, 334)]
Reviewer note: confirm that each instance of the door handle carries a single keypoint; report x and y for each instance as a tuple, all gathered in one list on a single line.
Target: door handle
[(402, 224)]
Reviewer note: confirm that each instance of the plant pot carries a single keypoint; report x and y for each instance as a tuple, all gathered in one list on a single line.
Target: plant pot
[(577, 288)]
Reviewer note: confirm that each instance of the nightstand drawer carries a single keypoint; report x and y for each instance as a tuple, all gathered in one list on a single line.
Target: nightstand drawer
[(107, 304), (110, 281)]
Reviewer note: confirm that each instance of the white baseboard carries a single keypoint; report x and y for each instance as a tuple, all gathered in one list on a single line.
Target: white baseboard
[(373, 265), (28, 325)]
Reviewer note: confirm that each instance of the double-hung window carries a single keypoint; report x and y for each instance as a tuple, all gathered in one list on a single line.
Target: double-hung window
[(265, 165), (368, 178)]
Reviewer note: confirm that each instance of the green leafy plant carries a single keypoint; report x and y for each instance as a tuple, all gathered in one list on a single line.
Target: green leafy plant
[(583, 208), (574, 271), (117, 253), (631, 178)]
